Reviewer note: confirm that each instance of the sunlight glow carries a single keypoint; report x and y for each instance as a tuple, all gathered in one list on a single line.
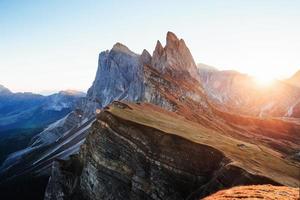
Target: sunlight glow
[(264, 81)]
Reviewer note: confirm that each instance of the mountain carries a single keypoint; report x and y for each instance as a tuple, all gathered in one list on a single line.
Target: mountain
[(23, 115), (28, 110), (147, 130), (233, 91), (141, 151), (295, 79)]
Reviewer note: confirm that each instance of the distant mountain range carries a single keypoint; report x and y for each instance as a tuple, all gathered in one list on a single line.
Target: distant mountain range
[(22, 115), (240, 93), (28, 110)]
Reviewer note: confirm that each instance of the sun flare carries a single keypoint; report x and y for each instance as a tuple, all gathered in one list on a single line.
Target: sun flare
[(264, 80)]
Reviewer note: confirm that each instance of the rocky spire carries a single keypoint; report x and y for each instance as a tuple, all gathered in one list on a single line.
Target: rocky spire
[(172, 41), (118, 77), (119, 47), (175, 57), (158, 48), (145, 57), (157, 54)]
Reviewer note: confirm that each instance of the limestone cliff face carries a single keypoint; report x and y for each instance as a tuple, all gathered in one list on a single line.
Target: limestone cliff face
[(149, 164), (139, 164), (119, 76)]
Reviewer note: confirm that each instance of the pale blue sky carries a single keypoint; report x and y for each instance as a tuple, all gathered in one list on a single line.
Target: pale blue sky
[(54, 45)]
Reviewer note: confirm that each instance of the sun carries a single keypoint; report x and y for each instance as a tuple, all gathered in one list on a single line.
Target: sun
[(264, 80)]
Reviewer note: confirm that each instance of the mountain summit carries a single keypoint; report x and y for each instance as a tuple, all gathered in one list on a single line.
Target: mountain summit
[(121, 75), (175, 58)]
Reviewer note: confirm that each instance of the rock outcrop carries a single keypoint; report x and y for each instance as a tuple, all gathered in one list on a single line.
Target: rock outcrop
[(119, 76), (175, 58)]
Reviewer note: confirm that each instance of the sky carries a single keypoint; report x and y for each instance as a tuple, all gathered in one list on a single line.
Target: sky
[(48, 46)]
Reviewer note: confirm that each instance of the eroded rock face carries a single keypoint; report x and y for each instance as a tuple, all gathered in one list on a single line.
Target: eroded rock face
[(175, 58), (64, 179), (119, 76), (125, 160), (142, 163)]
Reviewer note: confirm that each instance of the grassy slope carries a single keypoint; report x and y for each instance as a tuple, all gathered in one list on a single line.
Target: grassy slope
[(257, 192), (255, 159)]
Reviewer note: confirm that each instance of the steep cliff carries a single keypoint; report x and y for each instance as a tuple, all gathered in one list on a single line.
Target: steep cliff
[(119, 77), (140, 151)]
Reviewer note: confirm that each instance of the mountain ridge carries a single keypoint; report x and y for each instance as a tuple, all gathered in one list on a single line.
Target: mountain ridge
[(168, 80), (158, 159), (241, 93)]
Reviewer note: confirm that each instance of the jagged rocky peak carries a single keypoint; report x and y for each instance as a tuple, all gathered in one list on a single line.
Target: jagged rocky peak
[(172, 42), (119, 47), (171, 37), (119, 76), (175, 58), (145, 57), (159, 49)]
